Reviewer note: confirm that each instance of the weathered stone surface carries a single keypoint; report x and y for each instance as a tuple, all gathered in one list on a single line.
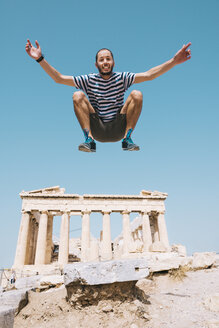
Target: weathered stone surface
[(216, 260), (95, 273), (212, 324), (6, 316), (212, 303), (157, 246), (28, 282), (133, 325), (16, 299), (203, 260), (38, 270), (166, 264), (51, 281), (180, 249), (143, 289)]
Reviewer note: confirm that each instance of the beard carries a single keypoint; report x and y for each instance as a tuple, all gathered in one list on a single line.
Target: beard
[(105, 73)]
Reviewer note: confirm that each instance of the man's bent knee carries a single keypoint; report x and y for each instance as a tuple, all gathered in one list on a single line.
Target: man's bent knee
[(78, 96), (136, 95)]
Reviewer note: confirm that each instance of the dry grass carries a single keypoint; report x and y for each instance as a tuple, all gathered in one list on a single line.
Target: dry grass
[(178, 274)]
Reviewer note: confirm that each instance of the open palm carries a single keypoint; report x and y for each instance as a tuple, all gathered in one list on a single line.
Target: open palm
[(33, 52)]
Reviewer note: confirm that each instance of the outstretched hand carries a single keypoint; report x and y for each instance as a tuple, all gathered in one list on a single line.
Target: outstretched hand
[(183, 54), (33, 52)]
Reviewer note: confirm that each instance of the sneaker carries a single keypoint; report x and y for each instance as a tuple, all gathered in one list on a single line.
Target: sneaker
[(128, 144), (88, 146)]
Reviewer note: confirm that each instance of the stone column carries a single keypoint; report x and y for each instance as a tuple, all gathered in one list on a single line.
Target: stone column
[(85, 236), (22, 243), (41, 240), (31, 241), (49, 239), (163, 230), (64, 240), (106, 248), (146, 231), (156, 231), (36, 229), (126, 232)]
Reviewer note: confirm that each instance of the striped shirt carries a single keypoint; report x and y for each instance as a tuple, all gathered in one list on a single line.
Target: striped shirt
[(106, 96)]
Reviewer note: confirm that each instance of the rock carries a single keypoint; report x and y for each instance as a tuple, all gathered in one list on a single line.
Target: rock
[(52, 281), (216, 260), (180, 249), (95, 273), (212, 324), (107, 308), (167, 264), (28, 282), (15, 299), (212, 303), (6, 316), (203, 260), (143, 288), (133, 325)]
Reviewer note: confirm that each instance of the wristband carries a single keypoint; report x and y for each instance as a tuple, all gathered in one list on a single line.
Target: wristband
[(39, 59)]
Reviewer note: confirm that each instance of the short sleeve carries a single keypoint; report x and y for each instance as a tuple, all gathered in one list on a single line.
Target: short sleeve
[(128, 79), (81, 82)]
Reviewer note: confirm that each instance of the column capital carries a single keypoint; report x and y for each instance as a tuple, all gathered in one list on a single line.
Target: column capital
[(51, 213), (44, 212), (145, 212), (25, 212), (66, 212), (126, 212), (85, 212), (161, 212), (106, 212)]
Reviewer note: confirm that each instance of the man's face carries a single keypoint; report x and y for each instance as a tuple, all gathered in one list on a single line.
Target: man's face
[(105, 63)]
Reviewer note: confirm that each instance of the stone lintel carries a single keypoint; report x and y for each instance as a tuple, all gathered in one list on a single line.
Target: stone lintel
[(107, 272)]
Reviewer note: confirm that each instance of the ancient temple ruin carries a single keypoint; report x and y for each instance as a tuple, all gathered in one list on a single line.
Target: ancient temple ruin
[(147, 233)]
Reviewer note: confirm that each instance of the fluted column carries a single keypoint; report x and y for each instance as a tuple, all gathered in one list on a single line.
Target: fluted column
[(106, 251), (30, 254), (163, 230), (64, 240), (156, 231), (146, 231), (85, 236), (49, 239), (41, 239), (126, 232), (22, 242)]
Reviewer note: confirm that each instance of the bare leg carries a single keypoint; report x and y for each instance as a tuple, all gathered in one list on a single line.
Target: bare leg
[(132, 109), (83, 109)]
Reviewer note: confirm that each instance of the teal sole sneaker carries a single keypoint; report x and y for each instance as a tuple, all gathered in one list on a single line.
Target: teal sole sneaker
[(89, 146), (128, 144)]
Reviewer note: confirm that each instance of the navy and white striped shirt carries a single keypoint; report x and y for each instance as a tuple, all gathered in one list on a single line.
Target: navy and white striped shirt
[(106, 96)]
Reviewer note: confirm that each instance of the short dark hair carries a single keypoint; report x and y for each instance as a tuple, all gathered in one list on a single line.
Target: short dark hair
[(101, 50)]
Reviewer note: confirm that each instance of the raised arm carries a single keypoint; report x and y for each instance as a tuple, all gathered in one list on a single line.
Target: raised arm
[(180, 57), (36, 53)]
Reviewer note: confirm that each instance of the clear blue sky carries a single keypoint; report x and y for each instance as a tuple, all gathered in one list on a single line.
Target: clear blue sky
[(177, 132)]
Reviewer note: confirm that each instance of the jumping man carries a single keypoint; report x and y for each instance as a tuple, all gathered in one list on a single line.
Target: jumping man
[(104, 116)]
